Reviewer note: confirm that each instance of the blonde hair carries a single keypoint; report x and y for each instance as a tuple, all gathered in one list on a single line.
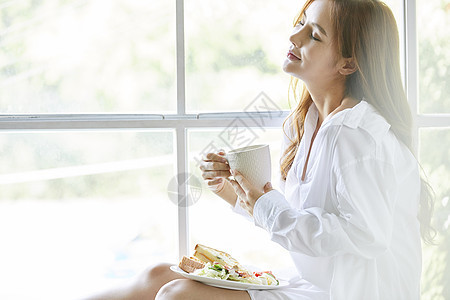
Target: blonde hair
[(367, 32)]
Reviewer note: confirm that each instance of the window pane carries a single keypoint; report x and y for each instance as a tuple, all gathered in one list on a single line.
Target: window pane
[(87, 56), (435, 159), (211, 220), (78, 210), (234, 51), (433, 21)]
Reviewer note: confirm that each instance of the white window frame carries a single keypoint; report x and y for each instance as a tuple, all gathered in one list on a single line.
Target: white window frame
[(412, 75), (181, 122)]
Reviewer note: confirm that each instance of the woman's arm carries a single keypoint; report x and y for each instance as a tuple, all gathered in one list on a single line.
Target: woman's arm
[(363, 225)]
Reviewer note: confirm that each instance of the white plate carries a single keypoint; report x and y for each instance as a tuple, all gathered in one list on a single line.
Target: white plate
[(228, 284)]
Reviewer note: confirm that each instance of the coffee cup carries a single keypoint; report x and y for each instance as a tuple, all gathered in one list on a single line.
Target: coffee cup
[(253, 162)]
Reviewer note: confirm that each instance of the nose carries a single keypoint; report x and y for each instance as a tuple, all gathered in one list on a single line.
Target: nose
[(296, 37)]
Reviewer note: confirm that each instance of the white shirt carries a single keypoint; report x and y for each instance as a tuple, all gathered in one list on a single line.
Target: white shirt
[(351, 226)]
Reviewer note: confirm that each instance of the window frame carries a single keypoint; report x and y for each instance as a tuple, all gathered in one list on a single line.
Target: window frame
[(181, 122), (411, 79)]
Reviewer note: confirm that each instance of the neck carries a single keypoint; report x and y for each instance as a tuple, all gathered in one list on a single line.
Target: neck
[(330, 101)]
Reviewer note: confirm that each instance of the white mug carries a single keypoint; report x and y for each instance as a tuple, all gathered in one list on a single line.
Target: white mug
[(253, 162)]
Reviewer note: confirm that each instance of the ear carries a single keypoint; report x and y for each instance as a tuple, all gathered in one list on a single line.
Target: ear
[(348, 66)]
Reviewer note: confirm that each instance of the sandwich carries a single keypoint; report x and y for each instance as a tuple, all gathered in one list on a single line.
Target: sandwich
[(213, 263), (211, 255), (190, 264)]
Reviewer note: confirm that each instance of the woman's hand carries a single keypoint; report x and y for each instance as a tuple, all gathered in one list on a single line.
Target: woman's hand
[(215, 170), (247, 193)]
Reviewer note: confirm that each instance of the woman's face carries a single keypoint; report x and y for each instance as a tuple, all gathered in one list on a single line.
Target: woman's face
[(313, 56)]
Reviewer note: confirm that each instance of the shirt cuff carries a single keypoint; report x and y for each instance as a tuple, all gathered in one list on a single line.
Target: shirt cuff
[(268, 207)]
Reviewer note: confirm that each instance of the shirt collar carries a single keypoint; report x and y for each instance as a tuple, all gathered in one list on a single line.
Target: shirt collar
[(364, 116), (350, 117), (354, 117)]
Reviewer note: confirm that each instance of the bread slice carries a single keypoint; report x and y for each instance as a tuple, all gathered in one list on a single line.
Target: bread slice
[(190, 264), (208, 254)]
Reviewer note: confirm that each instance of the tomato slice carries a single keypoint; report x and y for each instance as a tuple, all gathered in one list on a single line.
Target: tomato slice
[(257, 274)]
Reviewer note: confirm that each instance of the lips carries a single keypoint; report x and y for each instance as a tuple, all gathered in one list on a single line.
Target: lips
[(293, 56)]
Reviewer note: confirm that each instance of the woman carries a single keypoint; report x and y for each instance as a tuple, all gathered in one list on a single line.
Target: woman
[(348, 214)]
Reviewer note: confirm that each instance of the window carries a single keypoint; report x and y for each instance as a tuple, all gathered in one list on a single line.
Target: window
[(230, 56), (106, 106), (432, 105), (78, 208), (88, 56)]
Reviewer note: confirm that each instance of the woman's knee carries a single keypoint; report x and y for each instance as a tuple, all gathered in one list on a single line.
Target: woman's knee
[(176, 289), (157, 272)]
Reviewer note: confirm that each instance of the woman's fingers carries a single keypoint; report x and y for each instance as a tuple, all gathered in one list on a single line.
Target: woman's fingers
[(268, 187), (214, 169), (213, 174), (243, 182), (215, 181), (214, 166), (215, 184), (215, 157), (238, 189)]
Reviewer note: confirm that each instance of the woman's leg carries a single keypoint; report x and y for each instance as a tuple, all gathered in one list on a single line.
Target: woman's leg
[(186, 289), (144, 287)]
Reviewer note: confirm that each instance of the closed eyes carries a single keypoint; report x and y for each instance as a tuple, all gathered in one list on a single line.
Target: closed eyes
[(302, 23)]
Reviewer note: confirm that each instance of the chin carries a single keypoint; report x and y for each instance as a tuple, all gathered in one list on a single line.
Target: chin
[(293, 73), (288, 68)]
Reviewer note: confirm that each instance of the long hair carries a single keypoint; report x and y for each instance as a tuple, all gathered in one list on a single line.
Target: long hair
[(367, 32)]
